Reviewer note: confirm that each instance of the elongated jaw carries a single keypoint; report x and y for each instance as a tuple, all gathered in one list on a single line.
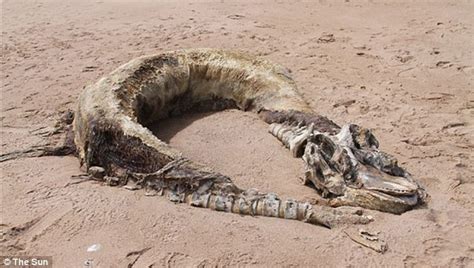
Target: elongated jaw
[(348, 168)]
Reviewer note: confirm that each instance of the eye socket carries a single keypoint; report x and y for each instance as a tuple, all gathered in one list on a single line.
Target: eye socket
[(352, 179), (326, 146), (350, 176)]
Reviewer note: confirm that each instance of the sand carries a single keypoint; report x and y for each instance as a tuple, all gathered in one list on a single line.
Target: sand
[(402, 68)]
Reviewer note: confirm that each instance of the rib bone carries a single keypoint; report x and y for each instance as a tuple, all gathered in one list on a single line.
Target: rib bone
[(110, 132)]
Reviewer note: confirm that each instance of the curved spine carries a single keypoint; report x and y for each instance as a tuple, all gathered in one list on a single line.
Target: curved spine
[(112, 115)]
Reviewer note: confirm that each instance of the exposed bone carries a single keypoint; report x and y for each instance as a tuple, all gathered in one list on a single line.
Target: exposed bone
[(345, 140), (367, 239), (363, 137), (271, 206), (319, 173), (112, 181), (294, 138), (96, 172), (351, 159), (109, 131)]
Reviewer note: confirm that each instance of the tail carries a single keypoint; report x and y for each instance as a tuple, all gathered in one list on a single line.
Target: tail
[(183, 181), (270, 205)]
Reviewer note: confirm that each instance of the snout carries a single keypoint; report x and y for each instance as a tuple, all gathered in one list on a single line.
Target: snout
[(376, 180)]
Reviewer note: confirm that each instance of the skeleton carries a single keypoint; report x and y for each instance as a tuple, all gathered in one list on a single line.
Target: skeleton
[(342, 163)]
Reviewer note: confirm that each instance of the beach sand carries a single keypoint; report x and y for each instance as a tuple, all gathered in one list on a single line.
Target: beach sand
[(401, 68)]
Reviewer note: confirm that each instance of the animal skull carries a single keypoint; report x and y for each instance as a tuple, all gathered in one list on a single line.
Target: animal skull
[(349, 169)]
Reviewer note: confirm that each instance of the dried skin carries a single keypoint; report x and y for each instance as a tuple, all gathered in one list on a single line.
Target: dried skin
[(110, 135)]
